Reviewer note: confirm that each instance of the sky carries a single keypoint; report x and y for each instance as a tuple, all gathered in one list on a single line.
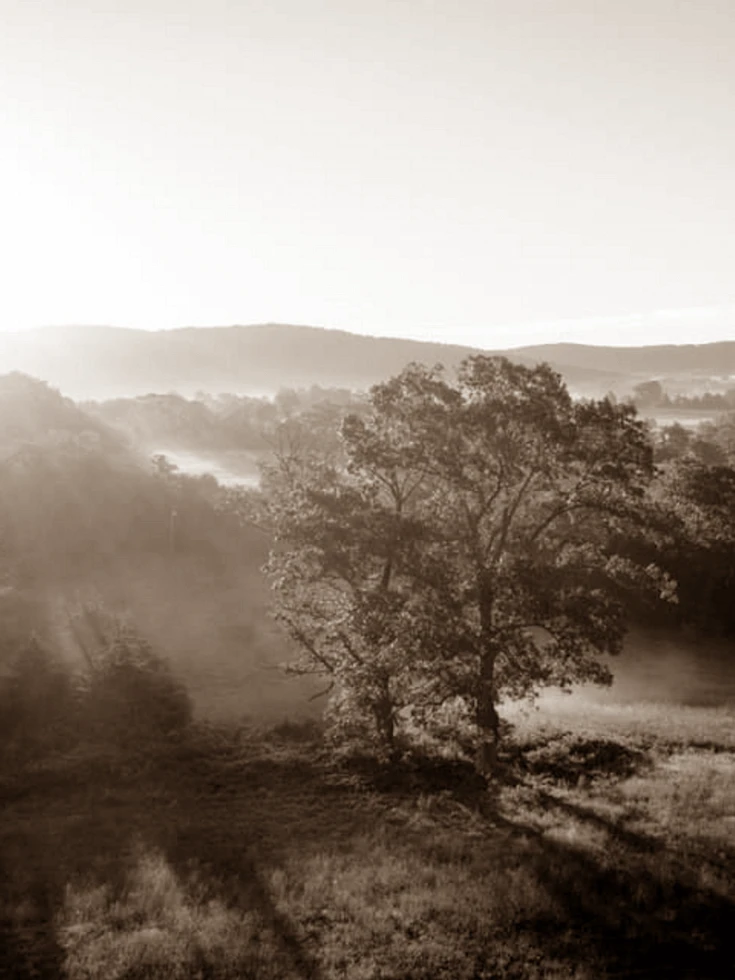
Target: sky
[(491, 172)]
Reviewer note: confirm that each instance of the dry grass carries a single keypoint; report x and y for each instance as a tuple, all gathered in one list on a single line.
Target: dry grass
[(253, 854), (160, 925), (644, 722)]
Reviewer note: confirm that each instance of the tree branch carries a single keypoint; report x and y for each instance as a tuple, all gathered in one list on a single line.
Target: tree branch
[(301, 637)]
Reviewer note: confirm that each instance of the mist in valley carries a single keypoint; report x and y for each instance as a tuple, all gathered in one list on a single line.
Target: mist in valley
[(231, 469)]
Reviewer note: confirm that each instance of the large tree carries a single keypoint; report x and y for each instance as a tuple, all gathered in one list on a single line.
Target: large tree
[(465, 544)]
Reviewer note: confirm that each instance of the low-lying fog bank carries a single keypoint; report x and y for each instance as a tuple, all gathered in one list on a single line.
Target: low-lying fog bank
[(677, 668), (656, 669), (228, 468)]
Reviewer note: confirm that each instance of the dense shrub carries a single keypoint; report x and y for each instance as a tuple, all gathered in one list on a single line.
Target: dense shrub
[(125, 698), (131, 694), (38, 702)]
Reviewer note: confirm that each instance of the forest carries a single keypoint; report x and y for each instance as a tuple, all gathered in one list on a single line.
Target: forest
[(336, 716)]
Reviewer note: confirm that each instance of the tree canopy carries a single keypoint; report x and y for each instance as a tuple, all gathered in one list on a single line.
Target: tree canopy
[(465, 544)]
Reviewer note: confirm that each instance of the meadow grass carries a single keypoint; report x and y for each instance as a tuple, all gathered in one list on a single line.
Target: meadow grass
[(648, 722), (604, 849)]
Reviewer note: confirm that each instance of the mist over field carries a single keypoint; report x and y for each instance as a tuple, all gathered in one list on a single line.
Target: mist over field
[(673, 668)]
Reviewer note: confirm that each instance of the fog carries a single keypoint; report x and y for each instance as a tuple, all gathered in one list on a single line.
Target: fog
[(690, 420), (228, 468), (665, 666), (671, 667), (661, 668)]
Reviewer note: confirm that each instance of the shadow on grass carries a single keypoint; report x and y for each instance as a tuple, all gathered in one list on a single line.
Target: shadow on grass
[(205, 814), (28, 944), (224, 821), (640, 922), (633, 902), (233, 810), (634, 899), (422, 775)]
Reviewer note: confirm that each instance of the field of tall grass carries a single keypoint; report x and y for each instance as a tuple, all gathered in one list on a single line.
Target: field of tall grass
[(605, 849)]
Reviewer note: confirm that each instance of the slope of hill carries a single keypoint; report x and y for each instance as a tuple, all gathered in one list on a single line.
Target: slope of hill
[(104, 362), (84, 516), (31, 412)]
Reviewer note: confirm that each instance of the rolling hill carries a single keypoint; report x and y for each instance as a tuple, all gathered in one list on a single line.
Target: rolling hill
[(104, 362)]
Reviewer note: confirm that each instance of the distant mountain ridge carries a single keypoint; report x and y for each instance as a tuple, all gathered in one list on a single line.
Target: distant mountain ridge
[(101, 362), (715, 358)]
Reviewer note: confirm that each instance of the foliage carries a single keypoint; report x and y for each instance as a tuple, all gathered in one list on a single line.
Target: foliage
[(131, 694), (463, 544), (125, 695), (212, 423), (712, 443), (700, 499), (676, 442), (38, 702), (648, 394), (721, 434)]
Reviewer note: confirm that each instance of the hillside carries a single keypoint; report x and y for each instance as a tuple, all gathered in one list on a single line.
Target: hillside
[(83, 516), (104, 362), (33, 413)]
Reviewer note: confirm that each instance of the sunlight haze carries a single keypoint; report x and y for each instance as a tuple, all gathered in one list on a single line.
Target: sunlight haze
[(489, 173)]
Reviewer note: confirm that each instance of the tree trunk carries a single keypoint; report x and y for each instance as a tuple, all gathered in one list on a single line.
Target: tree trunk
[(385, 723), (486, 717), (487, 720)]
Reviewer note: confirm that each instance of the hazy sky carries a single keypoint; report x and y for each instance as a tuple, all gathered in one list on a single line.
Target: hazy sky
[(471, 170)]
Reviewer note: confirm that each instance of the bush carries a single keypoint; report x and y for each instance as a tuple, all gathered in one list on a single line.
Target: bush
[(119, 708), (38, 703), (131, 693)]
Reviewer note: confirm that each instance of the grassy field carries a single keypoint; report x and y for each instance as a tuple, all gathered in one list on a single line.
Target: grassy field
[(605, 850)]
